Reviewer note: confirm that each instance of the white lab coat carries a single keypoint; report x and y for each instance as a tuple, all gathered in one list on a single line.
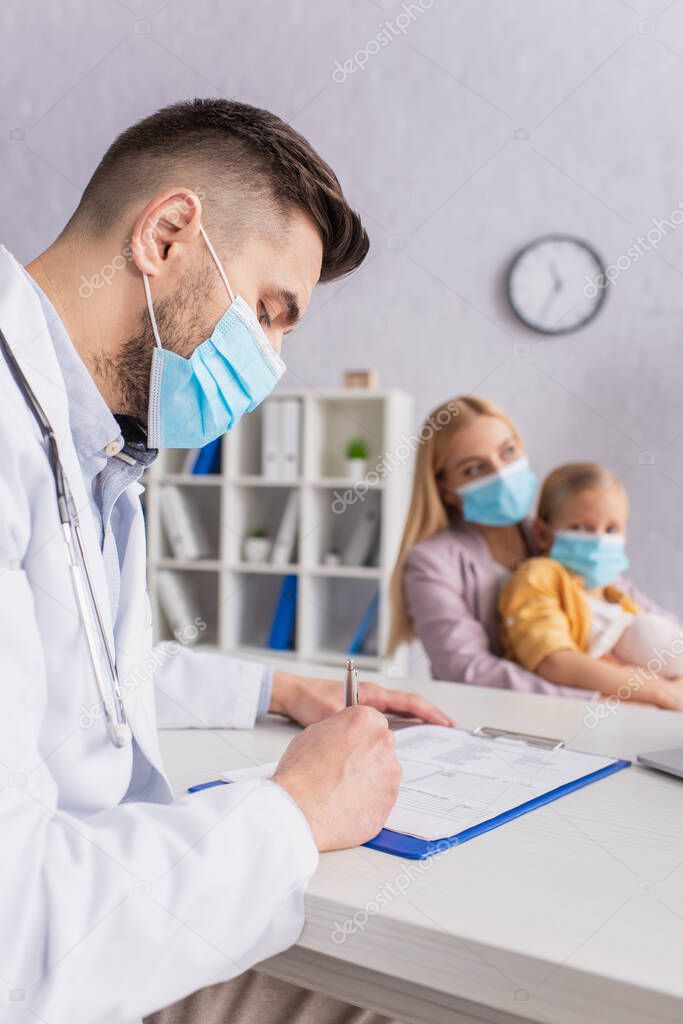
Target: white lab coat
[(117, 900)]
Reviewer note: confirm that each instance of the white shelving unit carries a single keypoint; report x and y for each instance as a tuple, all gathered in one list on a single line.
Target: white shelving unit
[(237, 599)]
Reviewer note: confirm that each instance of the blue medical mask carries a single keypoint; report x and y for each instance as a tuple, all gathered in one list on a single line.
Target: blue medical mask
[(501, 498), (598, 557), (193, 401)]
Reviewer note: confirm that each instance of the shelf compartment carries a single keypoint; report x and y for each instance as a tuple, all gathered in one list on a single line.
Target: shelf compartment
[(335, 422), (248, 437), (250, 600), (175, 460), (339, 606), (259, 508), (198, 513), (183, 598), (352, 532)]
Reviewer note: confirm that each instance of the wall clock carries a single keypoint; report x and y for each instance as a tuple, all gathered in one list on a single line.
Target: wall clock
[(556, 284)]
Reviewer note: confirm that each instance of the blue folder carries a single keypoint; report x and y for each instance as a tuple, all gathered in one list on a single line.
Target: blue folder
[(401, 845), (366, 624), (208, 459), (283, 627)]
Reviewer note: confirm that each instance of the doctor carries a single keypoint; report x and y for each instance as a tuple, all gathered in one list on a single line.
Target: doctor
[(155, 319)]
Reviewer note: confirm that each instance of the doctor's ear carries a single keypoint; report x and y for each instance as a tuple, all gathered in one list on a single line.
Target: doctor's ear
[(169, 221)]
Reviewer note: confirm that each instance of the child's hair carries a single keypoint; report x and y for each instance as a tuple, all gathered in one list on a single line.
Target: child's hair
[(570, 479)]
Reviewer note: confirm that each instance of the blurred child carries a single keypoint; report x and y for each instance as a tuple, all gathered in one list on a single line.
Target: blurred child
[(571, 616)]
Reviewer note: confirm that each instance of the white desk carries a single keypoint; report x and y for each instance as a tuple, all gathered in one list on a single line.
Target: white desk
[(571, 914)]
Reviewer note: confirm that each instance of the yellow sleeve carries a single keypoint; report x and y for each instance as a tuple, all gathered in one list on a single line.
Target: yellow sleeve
[(533, 621)]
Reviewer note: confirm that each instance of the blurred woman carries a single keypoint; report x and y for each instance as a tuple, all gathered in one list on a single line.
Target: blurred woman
[(467, 529)]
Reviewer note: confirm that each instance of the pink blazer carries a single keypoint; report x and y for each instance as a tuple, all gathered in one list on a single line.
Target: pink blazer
[(451, 588)]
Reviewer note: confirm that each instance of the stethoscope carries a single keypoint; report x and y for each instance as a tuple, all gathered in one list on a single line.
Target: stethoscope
[(109, 689)]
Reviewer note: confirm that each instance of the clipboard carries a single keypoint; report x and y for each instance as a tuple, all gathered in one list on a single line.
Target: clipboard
[(399, 844)]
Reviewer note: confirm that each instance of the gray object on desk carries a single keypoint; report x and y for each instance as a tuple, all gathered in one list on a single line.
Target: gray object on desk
[(670, 761)]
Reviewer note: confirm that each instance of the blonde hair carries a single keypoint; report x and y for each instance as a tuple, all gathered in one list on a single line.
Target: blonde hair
[(570, 479), (427, 513)]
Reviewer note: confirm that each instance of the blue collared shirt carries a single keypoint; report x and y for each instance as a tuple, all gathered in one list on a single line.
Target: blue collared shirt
[(107, 469)]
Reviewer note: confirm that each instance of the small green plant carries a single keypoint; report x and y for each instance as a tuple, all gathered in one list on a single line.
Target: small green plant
[(357, 449), (259, 533)]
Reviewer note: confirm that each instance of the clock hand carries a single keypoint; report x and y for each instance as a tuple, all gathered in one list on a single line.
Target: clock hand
[(552, 295), (557, 280)]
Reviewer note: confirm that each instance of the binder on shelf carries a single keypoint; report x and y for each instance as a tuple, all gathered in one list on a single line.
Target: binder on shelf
[(362, 538), (183, 525), (270, 439), (178, 603), (284, 544), (208, 459), (365, 627), (290, 429), (284, 620), (281, 439)]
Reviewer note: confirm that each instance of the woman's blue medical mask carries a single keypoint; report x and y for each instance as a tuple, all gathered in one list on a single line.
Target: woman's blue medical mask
[(598, 557), (193, 401), (501, 498)]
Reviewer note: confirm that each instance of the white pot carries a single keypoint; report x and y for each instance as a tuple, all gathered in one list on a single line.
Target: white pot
[(356, 468), (256, 549)]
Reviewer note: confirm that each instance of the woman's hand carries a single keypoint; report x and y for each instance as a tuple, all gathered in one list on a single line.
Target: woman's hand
[(666, 693), (656, 690), (308, 701)]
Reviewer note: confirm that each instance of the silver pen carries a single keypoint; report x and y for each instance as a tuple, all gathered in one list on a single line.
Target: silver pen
[(351, 694)]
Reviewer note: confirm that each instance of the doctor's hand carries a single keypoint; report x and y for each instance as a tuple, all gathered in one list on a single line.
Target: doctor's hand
[(344, 775), (307, 701)]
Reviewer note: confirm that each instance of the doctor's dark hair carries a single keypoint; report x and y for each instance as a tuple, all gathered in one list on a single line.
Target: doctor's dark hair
[(236, 156)]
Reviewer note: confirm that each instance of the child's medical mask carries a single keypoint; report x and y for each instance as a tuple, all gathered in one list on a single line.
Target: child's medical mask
[(193, 401), (501, 498), (598, 557)]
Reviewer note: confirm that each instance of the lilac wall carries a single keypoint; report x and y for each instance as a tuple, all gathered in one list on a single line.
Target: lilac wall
[(423, 138)]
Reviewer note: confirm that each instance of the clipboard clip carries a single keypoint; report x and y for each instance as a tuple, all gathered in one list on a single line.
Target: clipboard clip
[(545, 742)]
